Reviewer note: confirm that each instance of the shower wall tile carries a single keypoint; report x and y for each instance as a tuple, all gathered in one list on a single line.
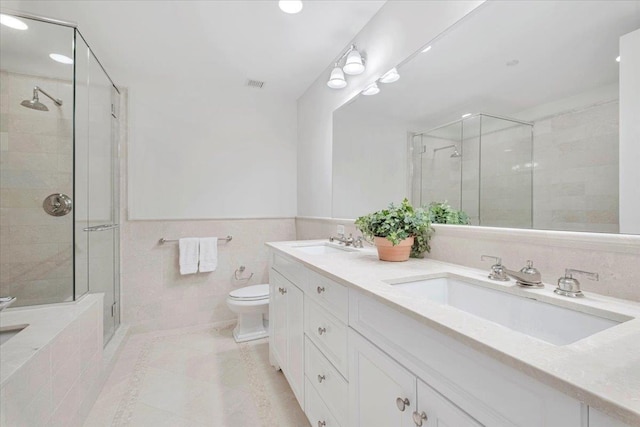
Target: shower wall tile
[(576, 170), (36, 160)]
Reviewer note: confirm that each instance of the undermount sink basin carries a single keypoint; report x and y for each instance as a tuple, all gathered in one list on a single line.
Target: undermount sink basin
[(323, 248), (8, 332), (553, 324)]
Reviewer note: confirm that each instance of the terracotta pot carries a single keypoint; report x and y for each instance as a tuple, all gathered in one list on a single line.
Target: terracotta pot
[(388, 252)]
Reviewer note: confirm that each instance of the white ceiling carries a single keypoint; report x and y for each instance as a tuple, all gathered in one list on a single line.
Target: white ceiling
[(218, 41)]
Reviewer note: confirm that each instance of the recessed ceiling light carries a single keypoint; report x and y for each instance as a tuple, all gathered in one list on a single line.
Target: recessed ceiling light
[(290, 6), (426, 49), (390, 76), (618, 59), (12, 22), (372, 89), (61, 58), (464, 116)]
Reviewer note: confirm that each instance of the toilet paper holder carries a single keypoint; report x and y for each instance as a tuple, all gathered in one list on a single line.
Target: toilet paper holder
[(238, 273)]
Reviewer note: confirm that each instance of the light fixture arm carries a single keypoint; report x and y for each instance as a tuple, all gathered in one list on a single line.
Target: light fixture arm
[(37, 89)]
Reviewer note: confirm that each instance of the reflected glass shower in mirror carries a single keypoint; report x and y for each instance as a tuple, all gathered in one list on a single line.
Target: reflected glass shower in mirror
[(528, 93)]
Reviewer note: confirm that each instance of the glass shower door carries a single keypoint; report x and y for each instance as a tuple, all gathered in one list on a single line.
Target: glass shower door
[(102, 213)]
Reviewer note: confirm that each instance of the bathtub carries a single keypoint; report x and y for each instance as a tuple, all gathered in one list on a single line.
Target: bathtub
[(50, 359)]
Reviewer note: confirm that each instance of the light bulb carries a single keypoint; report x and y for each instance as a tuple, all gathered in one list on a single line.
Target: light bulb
[(63, 59), (336, 80), (390, 76), (12, 22), (372, 89), (290, 6), (354, 65)]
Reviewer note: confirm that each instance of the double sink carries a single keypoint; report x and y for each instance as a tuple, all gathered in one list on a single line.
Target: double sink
[(559, 324)]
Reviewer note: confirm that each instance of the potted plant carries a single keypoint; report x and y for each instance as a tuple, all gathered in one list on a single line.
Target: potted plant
[(398, 231), (443, 213)]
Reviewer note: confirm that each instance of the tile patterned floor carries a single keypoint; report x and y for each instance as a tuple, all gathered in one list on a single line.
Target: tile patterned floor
[(195, 377)]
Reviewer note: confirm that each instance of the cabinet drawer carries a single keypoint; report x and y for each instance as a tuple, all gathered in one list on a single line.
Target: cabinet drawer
[(330, 295), (327, 333), (327, 381), (316, 410), (292, 270)]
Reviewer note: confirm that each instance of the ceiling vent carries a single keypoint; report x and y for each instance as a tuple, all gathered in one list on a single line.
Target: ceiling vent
[(255, 83)]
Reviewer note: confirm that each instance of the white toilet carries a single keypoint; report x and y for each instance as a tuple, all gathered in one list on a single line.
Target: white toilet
[(251, 304)]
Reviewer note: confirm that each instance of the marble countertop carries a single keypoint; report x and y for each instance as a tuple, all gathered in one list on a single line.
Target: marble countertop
[(602, 370)]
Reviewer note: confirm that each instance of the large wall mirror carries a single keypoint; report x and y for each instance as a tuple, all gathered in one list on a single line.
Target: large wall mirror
[(512, 115)]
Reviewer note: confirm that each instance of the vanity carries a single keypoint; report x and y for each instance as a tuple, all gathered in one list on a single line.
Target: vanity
[(423, 343)]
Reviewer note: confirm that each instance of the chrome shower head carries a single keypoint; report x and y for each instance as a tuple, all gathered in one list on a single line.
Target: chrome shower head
[(35, 103)]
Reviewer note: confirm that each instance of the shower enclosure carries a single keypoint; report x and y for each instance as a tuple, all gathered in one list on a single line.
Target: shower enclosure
[(481, 164), (59, 169)]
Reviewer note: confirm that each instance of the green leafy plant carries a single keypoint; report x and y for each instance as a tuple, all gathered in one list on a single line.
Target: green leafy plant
[(443, 213), (397, 223)]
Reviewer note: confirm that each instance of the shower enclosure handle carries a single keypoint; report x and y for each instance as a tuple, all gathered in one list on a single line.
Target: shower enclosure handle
[(102, 227)]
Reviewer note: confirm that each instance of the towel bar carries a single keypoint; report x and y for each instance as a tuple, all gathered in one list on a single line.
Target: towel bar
[(163, 240)]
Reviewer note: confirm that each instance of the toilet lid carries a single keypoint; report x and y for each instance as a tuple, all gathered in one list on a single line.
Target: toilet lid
[(254, 292)]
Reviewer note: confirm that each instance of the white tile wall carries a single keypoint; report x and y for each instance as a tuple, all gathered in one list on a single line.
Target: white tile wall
[(35, 161)]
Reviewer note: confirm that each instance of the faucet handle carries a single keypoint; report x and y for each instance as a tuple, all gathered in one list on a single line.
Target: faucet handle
[(570, 287), (497, 270)]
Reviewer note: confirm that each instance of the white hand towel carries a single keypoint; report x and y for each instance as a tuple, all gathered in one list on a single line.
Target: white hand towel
[(208, 254), (189, 252)]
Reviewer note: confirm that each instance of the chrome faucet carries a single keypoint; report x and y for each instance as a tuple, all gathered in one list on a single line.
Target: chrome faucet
[(570, 287), (6, 302), (497, 270), (528, 276), (348, 241)]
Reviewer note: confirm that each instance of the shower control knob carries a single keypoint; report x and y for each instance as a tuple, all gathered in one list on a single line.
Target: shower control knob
[(57, 204)]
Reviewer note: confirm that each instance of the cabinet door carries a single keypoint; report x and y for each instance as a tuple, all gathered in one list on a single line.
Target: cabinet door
[(295, 341), (599, 419), (381, 392), (434, 410), (278, 318)]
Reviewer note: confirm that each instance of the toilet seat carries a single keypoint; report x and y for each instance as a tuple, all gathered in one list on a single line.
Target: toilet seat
[(250, 293)]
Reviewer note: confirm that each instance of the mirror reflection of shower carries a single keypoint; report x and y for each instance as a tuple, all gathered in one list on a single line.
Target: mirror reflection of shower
[(455, 153), (35, 103)]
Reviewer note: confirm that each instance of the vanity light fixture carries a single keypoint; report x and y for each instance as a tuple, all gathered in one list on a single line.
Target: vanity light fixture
[(63, 59), (11, 22), (336, 80), (372, 89), (390, 76), (618, 59), (354, 64), (290, 6), (426, 49)]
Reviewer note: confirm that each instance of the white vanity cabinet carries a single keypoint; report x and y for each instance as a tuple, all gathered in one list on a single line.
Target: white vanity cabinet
[(384, 393), (286, 330), (354, 360)]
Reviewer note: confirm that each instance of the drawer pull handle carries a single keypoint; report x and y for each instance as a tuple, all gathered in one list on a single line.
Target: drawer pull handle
[(321, 330), (322, 423), (320, 289), (402, 403), (321, 378), (282, 290), (419, 417)]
